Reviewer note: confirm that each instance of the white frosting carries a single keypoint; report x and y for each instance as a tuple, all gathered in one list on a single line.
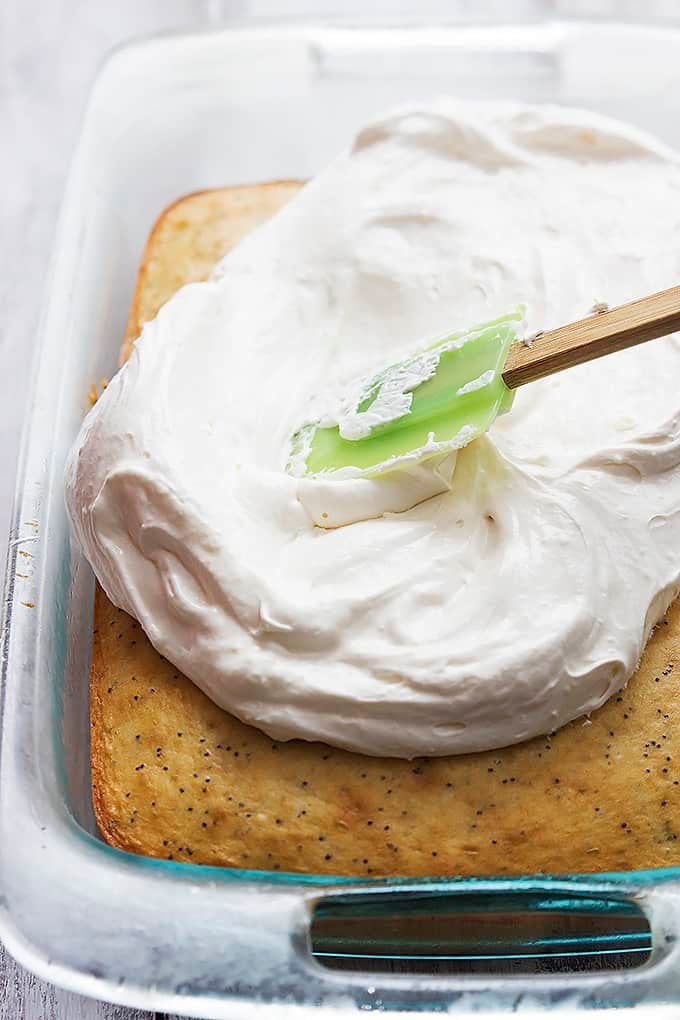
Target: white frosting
[(395, 391), (518, 598)]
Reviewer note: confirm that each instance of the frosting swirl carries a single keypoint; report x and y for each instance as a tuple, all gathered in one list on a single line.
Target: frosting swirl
[(476, 600)]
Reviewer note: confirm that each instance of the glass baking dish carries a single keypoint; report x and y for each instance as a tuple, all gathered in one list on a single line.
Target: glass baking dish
[(167, 116)]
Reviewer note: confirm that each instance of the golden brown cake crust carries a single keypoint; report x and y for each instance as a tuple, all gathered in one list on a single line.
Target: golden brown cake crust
[(176, 777), (190, 236)]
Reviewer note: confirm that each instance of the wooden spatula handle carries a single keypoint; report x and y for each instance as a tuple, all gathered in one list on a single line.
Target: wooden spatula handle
[(601, 333)]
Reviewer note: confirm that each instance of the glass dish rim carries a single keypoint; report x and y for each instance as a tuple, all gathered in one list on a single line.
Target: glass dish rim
[(626, 882)]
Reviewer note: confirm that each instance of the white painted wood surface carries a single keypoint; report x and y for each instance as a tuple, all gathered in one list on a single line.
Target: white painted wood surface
[(23, 997)]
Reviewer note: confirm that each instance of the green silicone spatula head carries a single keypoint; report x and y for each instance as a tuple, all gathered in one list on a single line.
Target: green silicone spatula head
[(437, 400), (446, 395)]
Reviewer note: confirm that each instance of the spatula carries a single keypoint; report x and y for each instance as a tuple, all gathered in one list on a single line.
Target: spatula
[(449, 393)]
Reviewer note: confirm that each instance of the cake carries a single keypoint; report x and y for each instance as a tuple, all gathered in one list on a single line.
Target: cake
[(176, 777)]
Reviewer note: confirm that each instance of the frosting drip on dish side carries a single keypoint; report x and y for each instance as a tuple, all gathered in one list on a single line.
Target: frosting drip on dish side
[(470, 602)]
